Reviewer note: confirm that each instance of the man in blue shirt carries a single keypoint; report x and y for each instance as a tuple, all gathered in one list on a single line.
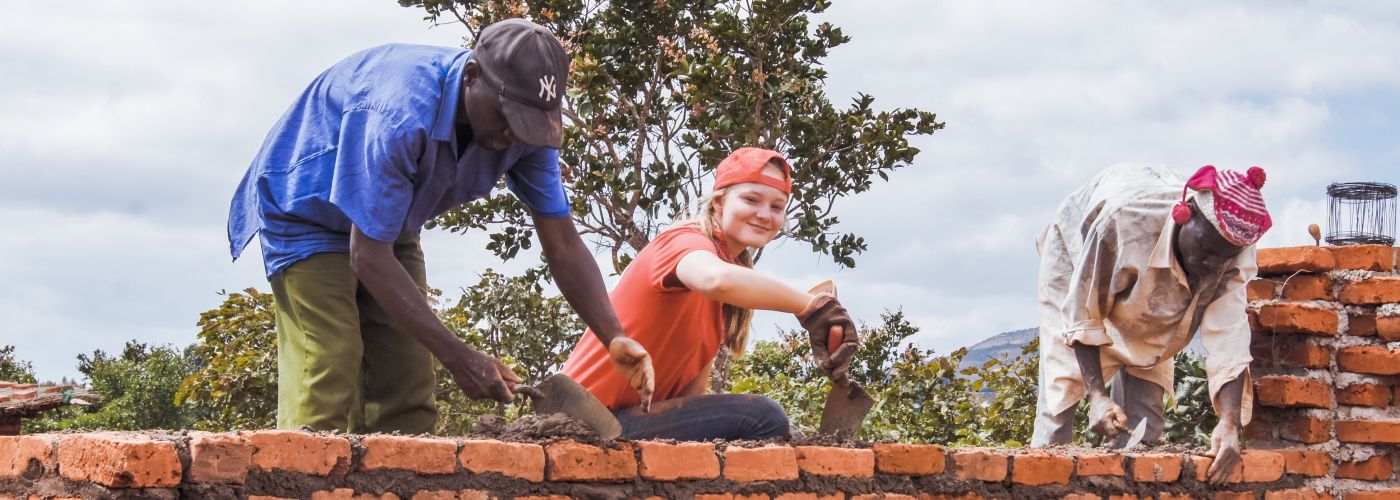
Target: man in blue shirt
[(377, 145)]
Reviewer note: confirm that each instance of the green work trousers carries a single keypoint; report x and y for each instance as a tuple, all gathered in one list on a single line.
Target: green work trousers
[(341, 364)]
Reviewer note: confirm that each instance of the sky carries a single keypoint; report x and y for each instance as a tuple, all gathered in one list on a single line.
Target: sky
[(125, 126)]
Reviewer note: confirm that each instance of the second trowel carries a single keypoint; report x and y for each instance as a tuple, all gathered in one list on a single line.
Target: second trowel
[(845, 409), (561, 394)]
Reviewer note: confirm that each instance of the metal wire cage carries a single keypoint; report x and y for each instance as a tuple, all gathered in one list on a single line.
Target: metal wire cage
[(1361, 213)]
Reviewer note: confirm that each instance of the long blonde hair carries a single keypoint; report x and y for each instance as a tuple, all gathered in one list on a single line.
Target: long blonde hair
[(736, 319)]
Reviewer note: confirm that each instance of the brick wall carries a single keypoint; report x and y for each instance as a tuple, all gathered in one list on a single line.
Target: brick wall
[(1326, 346), (1327, 425)]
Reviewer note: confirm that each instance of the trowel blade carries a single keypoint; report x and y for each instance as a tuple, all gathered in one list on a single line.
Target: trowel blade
[(846, 407), (560, 394), (1137, 434)]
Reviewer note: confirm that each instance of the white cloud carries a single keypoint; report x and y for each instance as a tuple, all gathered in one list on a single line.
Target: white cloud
[(124, 127)]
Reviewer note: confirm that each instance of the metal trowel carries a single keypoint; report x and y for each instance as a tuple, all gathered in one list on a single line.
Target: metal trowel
[(561, 394), (845, 409), (1136, 436)]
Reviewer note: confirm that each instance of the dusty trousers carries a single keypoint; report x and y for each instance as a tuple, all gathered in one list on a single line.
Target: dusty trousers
[(341, 364), (704, 417), (1139, 399)]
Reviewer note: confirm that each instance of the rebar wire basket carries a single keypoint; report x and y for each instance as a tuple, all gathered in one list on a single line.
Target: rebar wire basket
[(1361, 213)]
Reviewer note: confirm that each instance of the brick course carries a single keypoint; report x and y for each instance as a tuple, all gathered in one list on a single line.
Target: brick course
[(1298, 318)]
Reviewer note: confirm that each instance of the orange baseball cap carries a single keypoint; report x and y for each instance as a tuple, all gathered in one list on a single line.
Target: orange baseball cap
[(746, 165)]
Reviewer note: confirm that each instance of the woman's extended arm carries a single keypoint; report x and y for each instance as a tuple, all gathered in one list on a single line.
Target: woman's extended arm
[(739, 286)]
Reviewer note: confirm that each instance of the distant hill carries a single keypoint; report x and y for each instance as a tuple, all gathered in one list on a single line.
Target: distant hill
[(1007, 344)]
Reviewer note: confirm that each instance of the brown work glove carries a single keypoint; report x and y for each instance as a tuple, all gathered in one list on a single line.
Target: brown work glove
[(831, 333), (634, 364)]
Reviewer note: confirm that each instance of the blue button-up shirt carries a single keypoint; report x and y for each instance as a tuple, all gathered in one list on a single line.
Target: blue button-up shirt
[(371, 143)]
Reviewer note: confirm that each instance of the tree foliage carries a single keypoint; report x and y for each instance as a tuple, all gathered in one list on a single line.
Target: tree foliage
[(660, 92), (234, 382), (13, 369), (512, 319), (138, 387), (920, 396)]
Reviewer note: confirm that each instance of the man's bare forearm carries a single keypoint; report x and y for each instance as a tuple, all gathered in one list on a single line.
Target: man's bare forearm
[(1230, 395), (1091, 369), (374, 264)]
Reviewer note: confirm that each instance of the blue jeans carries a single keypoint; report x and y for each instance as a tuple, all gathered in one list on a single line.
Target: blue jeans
[(706, 416)]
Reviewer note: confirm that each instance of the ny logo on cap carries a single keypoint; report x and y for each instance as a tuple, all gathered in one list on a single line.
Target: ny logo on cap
[(547, 87)]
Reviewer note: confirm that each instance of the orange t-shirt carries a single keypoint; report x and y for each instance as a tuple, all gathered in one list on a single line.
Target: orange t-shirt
[(681, 329)]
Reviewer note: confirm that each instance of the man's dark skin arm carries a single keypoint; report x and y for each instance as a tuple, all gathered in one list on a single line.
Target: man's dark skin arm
[(1225, 439), (1105, 417), (578, 278), (477, 374)]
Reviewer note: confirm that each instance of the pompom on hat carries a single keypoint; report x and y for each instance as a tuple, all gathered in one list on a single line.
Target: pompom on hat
[(1231, 201), (746, 165)]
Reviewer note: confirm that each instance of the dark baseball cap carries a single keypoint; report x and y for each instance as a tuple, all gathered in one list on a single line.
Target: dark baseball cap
[(528, 67)]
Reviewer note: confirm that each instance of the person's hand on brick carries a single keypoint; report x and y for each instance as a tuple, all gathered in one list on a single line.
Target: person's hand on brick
[(481, 376), (830, 331), (1225, 446), (1106, 418), (634, 364)]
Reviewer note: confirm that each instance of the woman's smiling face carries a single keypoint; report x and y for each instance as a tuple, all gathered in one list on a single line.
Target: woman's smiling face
[(752, 214)]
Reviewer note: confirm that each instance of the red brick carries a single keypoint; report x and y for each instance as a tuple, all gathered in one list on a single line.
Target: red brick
[(1293, 259), (669, 462), (17, 452), (350, 494), (119, 460), (218, 458), (833, 461), (19, 394), (1261, 289), (1371, 291), (1041, 468), (1364, 257), (477, 494), (1259, 430), (1304, 355), (1298, 318), (1306, 429), (1101, 464), (1361, 325), (1297, 494), (1174, 496), (1368, 431), (1390, 494), (1156, 468), (519, 460), (299, 452), (982, 465), (909, 459), (1372, 359), (1234, 495), (420, 455), (1081, 496), (965, 496), (1293, 392), (1308, 287), (769, 463), (1256, 466), (574, 461), (435, 495), (1261, 466), (1376, 468), (1388, 327), (1306, 462), (808, 496), (1364, 394), (1125, 496)]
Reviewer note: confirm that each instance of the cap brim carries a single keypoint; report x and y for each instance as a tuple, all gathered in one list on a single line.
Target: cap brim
[(534, 126)]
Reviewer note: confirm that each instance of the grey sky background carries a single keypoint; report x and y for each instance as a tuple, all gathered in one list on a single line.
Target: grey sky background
[(124, 127)]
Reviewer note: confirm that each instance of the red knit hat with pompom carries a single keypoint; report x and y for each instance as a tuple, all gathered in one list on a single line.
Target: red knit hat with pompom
[(1231, 201)]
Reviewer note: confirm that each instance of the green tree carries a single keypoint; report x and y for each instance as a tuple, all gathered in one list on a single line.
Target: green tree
[(234, 385), (660, 92), (138, 387), (510, 318), (13, 369)]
